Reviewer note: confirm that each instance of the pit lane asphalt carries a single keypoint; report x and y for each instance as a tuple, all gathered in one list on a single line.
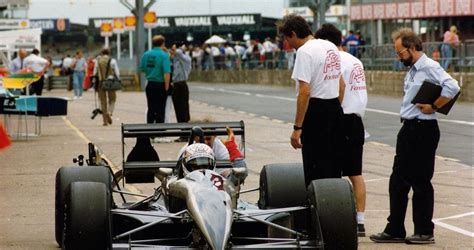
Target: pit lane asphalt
[(27, 172)]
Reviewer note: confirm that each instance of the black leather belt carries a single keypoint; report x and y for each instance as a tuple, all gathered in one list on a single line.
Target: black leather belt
[(416, 120)]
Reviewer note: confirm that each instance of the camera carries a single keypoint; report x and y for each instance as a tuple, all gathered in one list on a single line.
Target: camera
[(95, 112)]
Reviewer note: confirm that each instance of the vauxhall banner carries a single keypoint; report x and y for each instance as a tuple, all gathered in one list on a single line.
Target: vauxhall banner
[(151, 20)]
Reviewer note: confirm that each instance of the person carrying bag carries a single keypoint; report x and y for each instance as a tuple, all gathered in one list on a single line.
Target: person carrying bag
[(108, 73)]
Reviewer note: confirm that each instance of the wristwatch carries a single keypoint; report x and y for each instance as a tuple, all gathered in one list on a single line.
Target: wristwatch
[(297, 128), (434, 107)]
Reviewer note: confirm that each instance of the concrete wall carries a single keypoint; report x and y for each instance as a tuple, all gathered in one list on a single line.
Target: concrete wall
[(378, 82)]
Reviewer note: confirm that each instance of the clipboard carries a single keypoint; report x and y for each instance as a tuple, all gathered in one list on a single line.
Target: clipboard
[(429, 92)]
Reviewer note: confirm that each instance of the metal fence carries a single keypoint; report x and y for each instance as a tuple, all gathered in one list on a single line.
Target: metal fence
[(383, 57), (374, 57)]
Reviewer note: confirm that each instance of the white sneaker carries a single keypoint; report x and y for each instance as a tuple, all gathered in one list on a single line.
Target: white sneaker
[(80, 97), (74, 98)]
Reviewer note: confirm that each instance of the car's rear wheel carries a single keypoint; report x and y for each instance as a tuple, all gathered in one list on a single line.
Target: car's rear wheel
[(64, 177), (282, 185), (87, 217), (333, 212)]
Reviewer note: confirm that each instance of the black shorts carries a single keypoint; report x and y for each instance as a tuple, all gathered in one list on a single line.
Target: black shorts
[(353, 145)]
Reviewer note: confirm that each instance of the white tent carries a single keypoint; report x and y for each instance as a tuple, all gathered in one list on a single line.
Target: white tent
[(215, 39)]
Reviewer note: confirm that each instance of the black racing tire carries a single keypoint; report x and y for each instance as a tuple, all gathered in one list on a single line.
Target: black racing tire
[(87, 217), (64, 177), (332, 204), (282, 185)]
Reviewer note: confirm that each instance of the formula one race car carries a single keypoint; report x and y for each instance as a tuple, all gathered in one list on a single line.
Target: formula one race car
[(196, 207)]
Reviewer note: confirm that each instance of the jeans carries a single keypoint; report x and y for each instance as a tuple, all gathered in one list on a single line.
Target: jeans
[(77, 81), (446, 55)]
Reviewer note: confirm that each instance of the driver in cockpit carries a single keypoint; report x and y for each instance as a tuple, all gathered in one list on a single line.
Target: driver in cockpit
[(197, 156)]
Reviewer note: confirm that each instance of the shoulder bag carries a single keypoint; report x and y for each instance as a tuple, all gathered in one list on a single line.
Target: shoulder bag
[(110, 83)]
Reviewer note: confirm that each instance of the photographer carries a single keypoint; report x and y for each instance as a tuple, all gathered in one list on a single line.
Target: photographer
[(105, 68)]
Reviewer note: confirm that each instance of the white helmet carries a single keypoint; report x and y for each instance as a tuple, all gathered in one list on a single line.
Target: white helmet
[(197, 156)]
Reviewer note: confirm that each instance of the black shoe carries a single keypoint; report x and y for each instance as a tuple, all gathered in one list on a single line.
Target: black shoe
[(360, 230), (420, 239), (386, 238)]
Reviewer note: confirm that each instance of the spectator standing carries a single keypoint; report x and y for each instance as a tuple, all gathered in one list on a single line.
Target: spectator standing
[(67, 71), (290, 53), (89, 73), (38, 65), (18, 63), (353, 98), (351, 43), (79, 66), (417, 140), (254, 52), (240, 54), (450, 41), (197, 56), (230, 56), (49, 73), (156, 65), (106, 67), (318, 119), (269, 49), (181, 70)]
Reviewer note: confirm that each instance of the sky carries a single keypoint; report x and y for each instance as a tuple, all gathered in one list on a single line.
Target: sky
[(79, 11)]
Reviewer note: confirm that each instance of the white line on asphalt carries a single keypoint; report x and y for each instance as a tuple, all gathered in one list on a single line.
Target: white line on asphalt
[(294, 99), (454, 228), (131, 188), (440, 172), (276, 97)]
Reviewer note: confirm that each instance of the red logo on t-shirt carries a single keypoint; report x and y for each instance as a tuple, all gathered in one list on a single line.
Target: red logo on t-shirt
[(332, 65), (357, 74)]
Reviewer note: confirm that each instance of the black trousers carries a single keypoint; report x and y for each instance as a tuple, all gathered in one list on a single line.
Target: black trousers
[(413, 167), (156, 101), (37, 87), (322, 139), (181, 101)]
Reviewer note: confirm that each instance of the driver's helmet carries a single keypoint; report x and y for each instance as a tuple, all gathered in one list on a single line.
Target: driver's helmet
[(198, 156)]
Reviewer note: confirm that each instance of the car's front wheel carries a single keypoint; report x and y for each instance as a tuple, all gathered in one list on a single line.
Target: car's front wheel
[(87, 218)]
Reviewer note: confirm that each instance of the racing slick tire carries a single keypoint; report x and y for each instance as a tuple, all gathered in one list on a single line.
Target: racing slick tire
[(282, 185), (64, 177), (87, 217), (332, 204)]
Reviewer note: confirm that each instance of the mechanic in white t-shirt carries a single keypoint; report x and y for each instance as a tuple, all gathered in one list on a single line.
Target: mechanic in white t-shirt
[(318, 121), (38, 65), (353, 98)]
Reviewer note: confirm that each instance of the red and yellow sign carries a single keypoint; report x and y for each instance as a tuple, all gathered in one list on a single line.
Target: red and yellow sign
[(150, 19), (118, 25), (106, 29), (130, 22)]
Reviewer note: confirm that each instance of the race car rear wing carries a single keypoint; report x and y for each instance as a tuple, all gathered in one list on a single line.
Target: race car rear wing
[(142, 167)]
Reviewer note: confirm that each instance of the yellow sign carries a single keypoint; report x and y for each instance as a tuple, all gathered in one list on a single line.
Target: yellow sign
[(130, 22), (118, 25), (150, 19), (106, 29)]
